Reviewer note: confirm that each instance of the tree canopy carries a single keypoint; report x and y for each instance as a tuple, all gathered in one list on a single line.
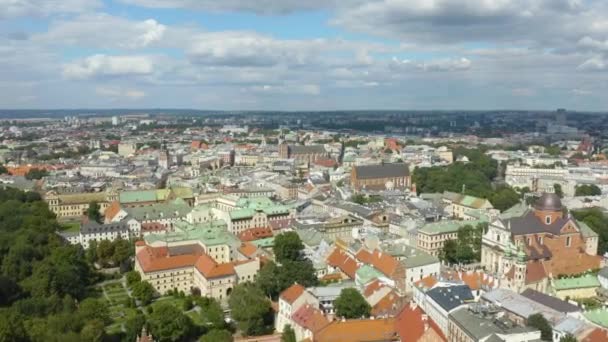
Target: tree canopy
[(539, 322), (587, 190), (351, 304), (466, 248), (598, 222), (93, 212), (168, 323), (251, 310), (288, 246), (273, 279)]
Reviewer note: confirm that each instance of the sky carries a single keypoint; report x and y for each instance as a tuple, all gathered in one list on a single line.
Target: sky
[(304, 54)]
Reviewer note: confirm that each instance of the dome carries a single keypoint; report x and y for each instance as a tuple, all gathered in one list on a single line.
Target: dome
[(549, 202)]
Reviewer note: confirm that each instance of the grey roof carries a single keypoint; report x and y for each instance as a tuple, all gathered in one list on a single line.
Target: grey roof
[(550, 301), (603, 272), (548, 202), (479, 326), (571, 325), (531, 224), (300, 149), (94, 227), (520, 305), (382, 171), (450, 297)]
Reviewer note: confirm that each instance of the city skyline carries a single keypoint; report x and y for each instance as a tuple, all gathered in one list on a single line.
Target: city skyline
[(314, 55)]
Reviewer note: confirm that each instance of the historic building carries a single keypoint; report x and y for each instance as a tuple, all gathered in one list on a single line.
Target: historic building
[(381, 177), (202, 258), (302, 153), (528, 246), (73, 205)]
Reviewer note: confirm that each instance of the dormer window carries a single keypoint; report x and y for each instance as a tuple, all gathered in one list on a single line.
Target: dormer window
[(548, 219)]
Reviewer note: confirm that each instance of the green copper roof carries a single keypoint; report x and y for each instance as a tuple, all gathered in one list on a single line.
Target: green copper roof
[(174, 209), (586, 281), (137, 196), (249, 206), (264, 243), (367, 273), (448, 226), (209, 234), (599, 317)]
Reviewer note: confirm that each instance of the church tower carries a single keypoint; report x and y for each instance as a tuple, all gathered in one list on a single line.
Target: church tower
[(519, 280)]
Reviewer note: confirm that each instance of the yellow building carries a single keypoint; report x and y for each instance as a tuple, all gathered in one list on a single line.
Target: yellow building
[(74, 205)]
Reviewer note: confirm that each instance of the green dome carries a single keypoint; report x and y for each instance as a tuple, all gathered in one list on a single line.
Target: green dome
[(521, 255)]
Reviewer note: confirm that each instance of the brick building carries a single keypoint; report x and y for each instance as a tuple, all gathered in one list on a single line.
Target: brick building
[(381, 176)]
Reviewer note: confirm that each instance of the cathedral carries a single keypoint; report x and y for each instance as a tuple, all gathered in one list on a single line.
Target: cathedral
[(525, 247)]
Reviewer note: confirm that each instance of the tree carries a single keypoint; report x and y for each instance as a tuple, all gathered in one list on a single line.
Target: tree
[(598, 222), (288, 334), (94, 309), (466, 248), (212, 314), (9, 291), (251, 310), (143, 291), (3, 170), (93, 331), (36, 173), (568, 338), (558, 190), (11, 326), (351, 304), (122, 251), (133, 277), (587, 190), (273, 279), (288, 246), (93, 212), (539, 322), (105, 251), (133, 326), (216, 335), (168, 323), (504, 198)]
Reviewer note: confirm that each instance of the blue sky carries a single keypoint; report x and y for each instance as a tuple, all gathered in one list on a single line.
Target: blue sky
[(312, 55)]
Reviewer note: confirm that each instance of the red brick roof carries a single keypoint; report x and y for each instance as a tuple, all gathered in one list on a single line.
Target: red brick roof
[(358, 330), (292, 293), (310, 318), (384, 262), (597, 335), (343, 261), (410, 324), (154, 259), (255, 234), (112, 210)]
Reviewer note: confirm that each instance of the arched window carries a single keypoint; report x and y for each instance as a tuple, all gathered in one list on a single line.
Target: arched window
[(548, 219)]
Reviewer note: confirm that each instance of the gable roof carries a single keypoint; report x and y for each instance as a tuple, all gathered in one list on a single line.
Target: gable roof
[(384, 262), (339, 259), (292, 293), (410, 324), (309, 318), (355, 330), (382, 171), (550, 301)]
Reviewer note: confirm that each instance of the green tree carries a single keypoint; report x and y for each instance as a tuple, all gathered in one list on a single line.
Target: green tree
[(36, 173), (11, 326), (598, 222), (553, 150), (168, 323), (588, 190), (273, 279), (93, 331), (143, 291), (288, 246), (93, 212), (122, 251), (539, 322), (133, 277), (251, 310), (216, 335), (133, 326), (3, 170), (351, 304), (504, 198), (94, 309), (558, 190), (105, 251), (288, 334), (212, 314), (568, 338)]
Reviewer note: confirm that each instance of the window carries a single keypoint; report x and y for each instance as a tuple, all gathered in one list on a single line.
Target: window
[(548, 219), (568, 241)]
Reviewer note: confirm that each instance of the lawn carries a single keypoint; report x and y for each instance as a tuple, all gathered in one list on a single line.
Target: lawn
[(116, 295), (70, 227)]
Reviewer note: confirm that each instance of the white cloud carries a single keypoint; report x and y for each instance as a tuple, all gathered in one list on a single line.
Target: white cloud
[(117, 93), (581, 92), (596, 63), (42, 8), (103, 31), (255, 6), (102, 65), (593, 44), (301, 89), (448, 64)]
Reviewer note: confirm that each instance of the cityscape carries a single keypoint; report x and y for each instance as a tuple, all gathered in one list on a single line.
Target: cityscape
[(286, 171)]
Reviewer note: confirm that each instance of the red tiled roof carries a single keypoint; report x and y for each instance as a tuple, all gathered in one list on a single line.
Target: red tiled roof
[(345, 263), (112, 210), (158, 259), (248, 249), (384, 262), (597, 335), (358, 330), (410, 325), (292, 293), (427, 282), (309, 318), (255, 234)]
